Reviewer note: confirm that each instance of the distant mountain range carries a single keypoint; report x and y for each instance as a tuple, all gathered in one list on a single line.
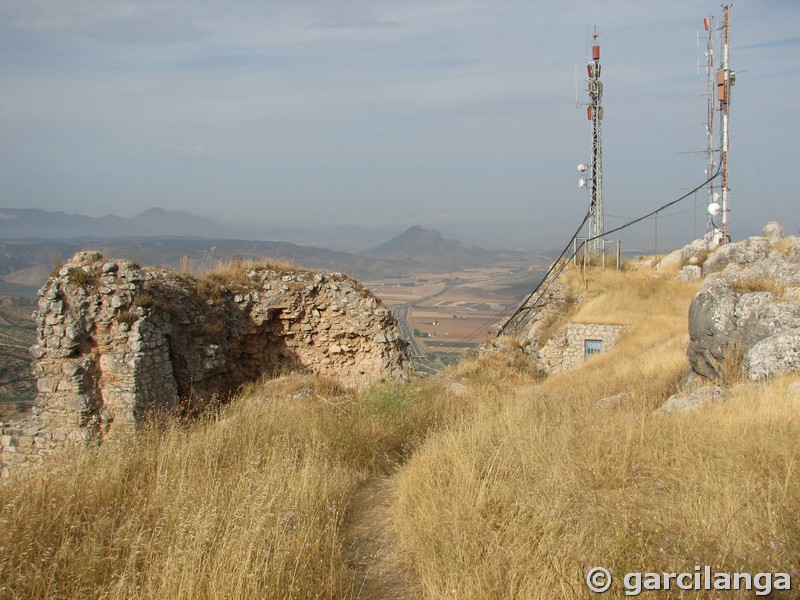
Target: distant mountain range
[(29, 262), (21, 223), (33, 241), (27, 223)]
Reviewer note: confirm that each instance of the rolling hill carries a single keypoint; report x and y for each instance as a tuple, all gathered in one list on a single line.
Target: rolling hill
[(427, 246)]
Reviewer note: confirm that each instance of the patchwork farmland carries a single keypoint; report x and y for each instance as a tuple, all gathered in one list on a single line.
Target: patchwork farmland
[(450, 313)]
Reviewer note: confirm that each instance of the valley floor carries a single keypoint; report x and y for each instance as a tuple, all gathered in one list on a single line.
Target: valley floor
[(446, 314)]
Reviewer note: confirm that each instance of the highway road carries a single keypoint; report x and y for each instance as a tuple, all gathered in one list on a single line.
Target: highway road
[(402, 314)]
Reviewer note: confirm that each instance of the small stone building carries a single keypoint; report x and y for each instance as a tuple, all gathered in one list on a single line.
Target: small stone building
[(571, 347)]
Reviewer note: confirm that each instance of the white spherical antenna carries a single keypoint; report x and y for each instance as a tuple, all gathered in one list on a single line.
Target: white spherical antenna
[(582, 168), (714, 208)]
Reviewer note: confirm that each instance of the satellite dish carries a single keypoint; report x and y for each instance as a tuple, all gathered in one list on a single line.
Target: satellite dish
[(581, 183), (582, 168), (713, 209)]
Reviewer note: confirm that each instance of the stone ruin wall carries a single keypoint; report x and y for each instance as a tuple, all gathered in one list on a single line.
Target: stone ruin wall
[(116, 341), (566, 349)]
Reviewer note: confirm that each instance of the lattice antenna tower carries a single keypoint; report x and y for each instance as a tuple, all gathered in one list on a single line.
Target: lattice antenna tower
[(725, 80), (594, 112), (711, 165)]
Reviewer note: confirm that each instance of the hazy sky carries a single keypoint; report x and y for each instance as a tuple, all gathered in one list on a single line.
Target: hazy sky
[(457, 115)]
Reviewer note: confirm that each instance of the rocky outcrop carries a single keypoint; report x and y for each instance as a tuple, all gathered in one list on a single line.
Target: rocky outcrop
[(712, 327), (690, 273), (685, 402), (692, 254), (117, 341), (747, 315)]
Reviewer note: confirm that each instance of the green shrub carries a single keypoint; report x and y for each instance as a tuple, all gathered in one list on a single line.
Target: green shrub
[(80, 278), (127, 316)]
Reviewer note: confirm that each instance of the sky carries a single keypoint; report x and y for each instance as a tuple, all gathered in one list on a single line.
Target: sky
[(457, 115)]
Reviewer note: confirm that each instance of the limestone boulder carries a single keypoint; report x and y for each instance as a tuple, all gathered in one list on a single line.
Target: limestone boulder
[(673, 259), (712, 327), (773, 256), (776, 355), (743, 313), (773, 233), (690, 273), (685, 402), (693, 253), (746, 252)]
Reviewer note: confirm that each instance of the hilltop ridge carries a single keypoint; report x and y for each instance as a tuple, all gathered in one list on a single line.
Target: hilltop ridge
[(430, 247), (488, 479), (22, 223)]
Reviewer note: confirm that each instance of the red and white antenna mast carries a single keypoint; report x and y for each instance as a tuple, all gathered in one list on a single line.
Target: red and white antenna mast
[(725, 80), (594, 111)]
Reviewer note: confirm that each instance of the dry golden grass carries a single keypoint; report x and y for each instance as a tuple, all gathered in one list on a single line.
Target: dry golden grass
[(237, 273), (499, 372), (628, 297), (520, 500), (786, 246), (748, 286), (245, 504), (509, 486)]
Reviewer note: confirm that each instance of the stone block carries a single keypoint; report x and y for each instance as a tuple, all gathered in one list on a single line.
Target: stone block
[(14, 458), (24, 442), (46, 385)]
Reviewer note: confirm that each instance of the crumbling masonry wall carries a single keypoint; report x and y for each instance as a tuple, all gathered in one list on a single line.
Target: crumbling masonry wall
[(117, 341)]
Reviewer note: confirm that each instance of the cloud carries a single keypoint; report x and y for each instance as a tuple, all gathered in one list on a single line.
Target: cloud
[(191, 151), (109, 22), (350, 17), (141, 31), (451, 107), (769, 44)]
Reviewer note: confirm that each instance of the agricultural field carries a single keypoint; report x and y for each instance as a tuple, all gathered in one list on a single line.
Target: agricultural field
[(17, 335), (452, 312)]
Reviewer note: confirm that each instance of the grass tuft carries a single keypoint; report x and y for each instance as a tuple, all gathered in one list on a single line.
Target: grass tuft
[(749, 286), (80, 278)]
